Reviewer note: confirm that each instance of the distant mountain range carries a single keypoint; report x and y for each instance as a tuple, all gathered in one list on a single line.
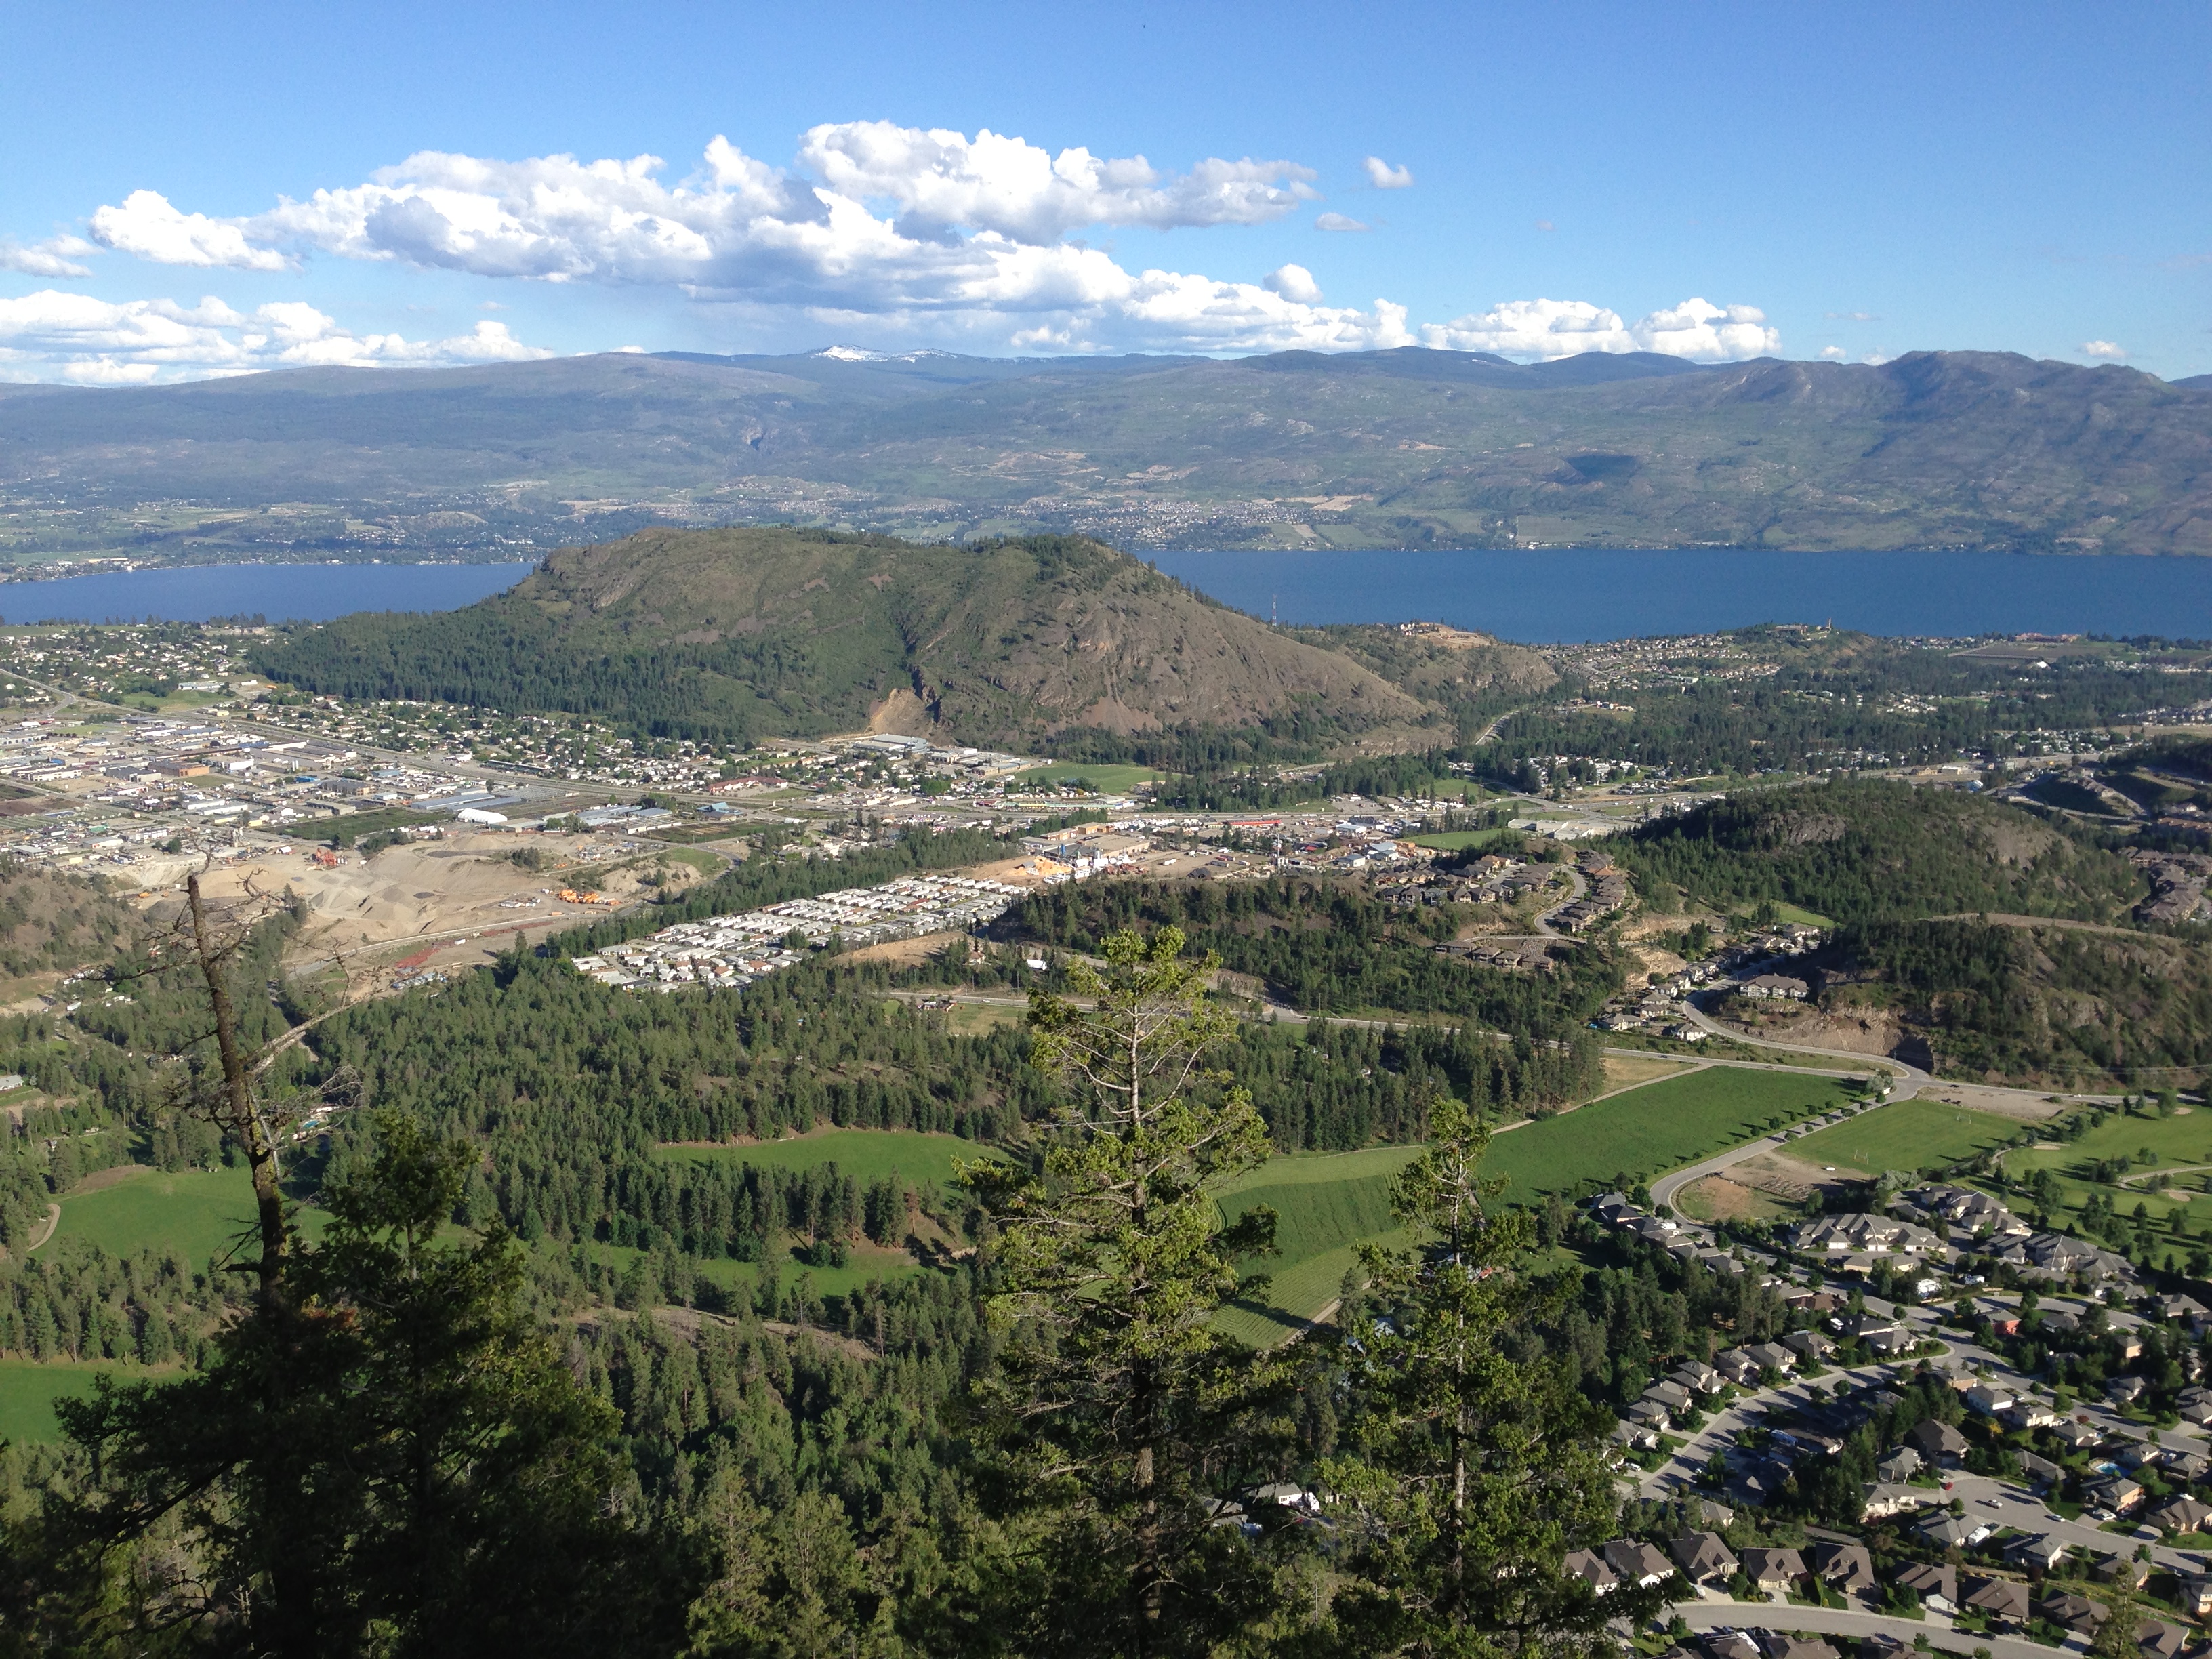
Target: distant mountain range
[(1412, 448)]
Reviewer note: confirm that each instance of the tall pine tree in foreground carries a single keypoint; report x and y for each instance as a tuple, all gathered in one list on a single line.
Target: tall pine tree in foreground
[(1467, 1471), (1119, 1423)]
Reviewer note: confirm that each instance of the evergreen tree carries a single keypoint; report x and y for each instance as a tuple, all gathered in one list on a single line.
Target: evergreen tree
[(1118, 1418), (384, 1459), (1469, 1469)]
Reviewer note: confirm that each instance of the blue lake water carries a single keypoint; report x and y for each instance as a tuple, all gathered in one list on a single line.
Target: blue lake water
[(1547, 596), (1568, 595), (276, 593)]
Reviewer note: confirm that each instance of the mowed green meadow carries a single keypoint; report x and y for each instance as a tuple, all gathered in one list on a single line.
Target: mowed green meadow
[(864, 1154), (28, 1391), (202, 1213), (1326, 1205), (1906, 1134), (1660, 1125)]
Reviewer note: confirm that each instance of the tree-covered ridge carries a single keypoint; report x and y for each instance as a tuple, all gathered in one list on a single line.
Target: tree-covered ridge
[(1863, 851), (51, 919), (2081, 1006), (729, 636), (1329, 947)]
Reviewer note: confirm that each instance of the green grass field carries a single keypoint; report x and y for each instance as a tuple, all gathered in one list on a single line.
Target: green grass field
[(2178, 1143), (864, 1154), (1458, 840), (1325, 1204), (1906, 1134), (28, 1390), (1651, 1130), (1107, 780), (201, 1212)]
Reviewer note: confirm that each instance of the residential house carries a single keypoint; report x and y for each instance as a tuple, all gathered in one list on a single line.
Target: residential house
[(1988, 1399), (1810, 1346), (2029, 1414), (1846, 1567), (2157, 1639), (2122, 1570), (1637, 1563), (1945, 1531), (1864, 1235), (1728, 1644), (2194, 1592), (2126, 1390), (2188, 1465), (1672, 1395), (2037, 1552), (1771, 1357), (1695, 1374), (1878, 1500), (1713, 1514), (1704, 1558), (1939, 1443), (2055, 1257), (1774, 1571), (2005, 1599), (1738, 1366), (2068, 1610), (1637, 1436), (2181, 1515), (1781, 1644), (2078, 1436), (2039, 1471), (1588, 1567), (1936, 1583), (2115, 1493), (1900, 1465), (1649, 1412), (2180, 1310), (1890, 1342)]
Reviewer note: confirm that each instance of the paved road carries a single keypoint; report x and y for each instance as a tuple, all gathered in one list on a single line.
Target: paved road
[(1913, 1074), (1578, 887), (1853, 1622)]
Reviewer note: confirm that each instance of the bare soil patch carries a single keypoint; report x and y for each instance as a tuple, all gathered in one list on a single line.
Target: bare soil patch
[(2017, 1104), (1627, 1071), (905, 953), (1792, 1180), (1717, 1198)]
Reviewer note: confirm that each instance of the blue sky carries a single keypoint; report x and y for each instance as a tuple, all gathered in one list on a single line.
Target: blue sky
[(273, 185)]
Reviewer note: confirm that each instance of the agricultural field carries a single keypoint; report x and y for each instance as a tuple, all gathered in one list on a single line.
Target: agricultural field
[(1651, 1130), (202, 1213), (1633, 1071), (1327, 1205), (1906, 1134), (28, 1390), (863, 1154), (1458, 840)]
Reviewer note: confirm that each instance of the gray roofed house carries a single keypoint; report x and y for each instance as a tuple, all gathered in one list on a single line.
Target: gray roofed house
[(1773, 1570), (1936, 1583), (1952, 1532), (1900, 1465), (1638, 1561), (1771, 1355), (2004, 1600), (2077, 1437), (1939, 1443), (2070, 1612), (2115, 1492), (2040, 1471), (2184, 1308), (1649, 1413), (1713, 1514), (1781, 1644), (2041, 1551), (1809, 1344), (2188, 1465), (2125, 1569), (1844, 1566), (1696, 1374), (1728, 1644), (1878, 1499), (1672, 1395), (1590, 1568), (1703, 1557), (2159, 1639), (2181, 1515)]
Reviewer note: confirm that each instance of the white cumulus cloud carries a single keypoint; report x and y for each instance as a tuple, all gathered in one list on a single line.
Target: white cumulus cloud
[(873, 230), (1833, 353), (2104, 348), (147, 226), (55, 257), (1384, 176), (1546, 329), (73, 336)]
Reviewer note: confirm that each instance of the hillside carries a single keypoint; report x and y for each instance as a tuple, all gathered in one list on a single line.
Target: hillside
[(51, 922), (732, 634), (1405, 449), (1866, 851)]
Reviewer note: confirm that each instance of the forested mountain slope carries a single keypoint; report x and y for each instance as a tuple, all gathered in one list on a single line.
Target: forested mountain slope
[(737, 634), (1863, 851), (1405, 448)]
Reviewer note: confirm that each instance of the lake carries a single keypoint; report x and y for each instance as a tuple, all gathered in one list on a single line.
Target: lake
[(1575, 595), (1553, 595), (276, 592)]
